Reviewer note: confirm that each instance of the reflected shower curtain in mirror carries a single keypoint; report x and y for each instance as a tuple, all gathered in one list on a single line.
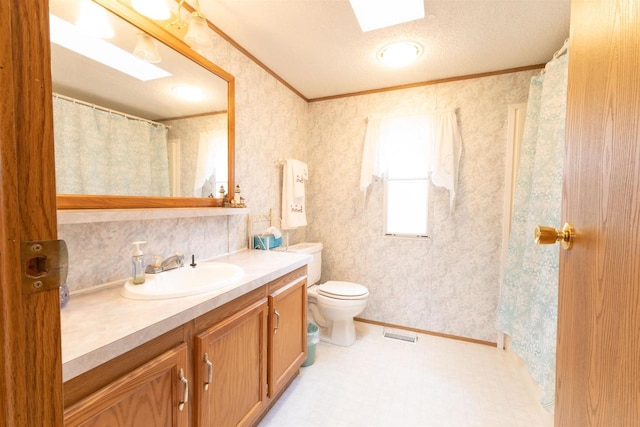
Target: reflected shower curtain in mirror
[(528, 306), (98, 152)]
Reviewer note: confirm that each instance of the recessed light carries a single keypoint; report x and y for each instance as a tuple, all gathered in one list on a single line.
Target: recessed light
[(68, 36), (374, 14), (400, 53), (188, 93)]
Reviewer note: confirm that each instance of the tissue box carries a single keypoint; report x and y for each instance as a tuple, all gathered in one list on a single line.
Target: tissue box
[(266, 241)]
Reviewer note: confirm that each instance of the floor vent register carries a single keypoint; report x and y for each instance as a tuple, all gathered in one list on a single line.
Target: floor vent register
[(399, 334)]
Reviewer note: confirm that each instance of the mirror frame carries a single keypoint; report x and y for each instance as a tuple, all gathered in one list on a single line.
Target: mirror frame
[(171, 37)]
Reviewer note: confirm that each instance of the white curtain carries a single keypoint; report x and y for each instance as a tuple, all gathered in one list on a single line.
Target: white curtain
[(211, 166), (98, 152), (435, 140), (528, 308)]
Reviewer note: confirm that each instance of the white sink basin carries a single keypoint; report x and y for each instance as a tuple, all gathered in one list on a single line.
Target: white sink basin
[(185, 281)]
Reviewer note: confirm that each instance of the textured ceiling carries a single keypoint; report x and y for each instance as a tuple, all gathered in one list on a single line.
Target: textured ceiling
[(317, 47)]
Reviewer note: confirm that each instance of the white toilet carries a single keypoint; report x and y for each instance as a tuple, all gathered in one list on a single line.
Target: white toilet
[(334, 304)]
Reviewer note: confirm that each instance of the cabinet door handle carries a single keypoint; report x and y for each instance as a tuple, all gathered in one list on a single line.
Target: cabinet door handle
[(185, 392), (209, 371), (275, 312)]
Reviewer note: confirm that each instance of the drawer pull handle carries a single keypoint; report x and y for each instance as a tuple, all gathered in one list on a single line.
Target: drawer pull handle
[(209, 371), (275, 312), (185, 392)]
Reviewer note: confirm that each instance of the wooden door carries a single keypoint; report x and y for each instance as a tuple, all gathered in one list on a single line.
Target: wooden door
[(598, 356), (230, 369), (287, 333), (31, 391), (153, 395)]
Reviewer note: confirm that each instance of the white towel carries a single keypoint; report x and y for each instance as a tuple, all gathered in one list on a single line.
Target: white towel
[(293, 196), (300, 175)]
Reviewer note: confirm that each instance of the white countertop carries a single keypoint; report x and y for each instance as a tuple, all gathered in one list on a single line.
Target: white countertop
[(100, 325)]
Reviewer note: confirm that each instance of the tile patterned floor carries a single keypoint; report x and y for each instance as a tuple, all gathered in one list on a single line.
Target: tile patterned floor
[(382, 382)]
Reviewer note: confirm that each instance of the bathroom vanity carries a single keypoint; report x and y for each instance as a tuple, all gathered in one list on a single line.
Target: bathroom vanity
[(203, 360)]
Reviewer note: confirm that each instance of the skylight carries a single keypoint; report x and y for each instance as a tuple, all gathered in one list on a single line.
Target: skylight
[(375, 14), (68, 36)]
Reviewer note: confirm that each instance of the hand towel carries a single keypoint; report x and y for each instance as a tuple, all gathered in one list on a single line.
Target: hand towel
[(300, 175), (293, 195)]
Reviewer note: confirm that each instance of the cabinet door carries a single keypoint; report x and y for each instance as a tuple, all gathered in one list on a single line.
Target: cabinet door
[(153, 395), (230, 369), (287, 333)]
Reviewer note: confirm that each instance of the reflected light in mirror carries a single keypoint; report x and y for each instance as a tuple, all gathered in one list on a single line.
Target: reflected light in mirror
[(154, 9), (68, 36), (188, 93), (146, 48)]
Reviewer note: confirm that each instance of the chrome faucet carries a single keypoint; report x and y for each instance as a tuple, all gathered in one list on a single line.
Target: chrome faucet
[(174, 261)]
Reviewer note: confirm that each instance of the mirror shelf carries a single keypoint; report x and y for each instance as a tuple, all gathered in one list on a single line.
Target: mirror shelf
[(172, 37), (85, 216)]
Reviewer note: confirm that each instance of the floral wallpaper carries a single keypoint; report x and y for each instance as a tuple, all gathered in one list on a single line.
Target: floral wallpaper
[(447, 284), (450, 282)]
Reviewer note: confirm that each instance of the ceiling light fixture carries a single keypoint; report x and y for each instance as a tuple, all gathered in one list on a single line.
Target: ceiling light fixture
[(68, 36), (146, 48), (188, 93), (400, 53), (154, 9), (93, 20), (375, 14), (198, 35)]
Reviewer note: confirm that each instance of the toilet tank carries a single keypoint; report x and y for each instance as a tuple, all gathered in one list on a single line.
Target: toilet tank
[(315, 266)]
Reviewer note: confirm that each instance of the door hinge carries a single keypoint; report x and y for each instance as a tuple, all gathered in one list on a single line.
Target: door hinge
[(44, 265)]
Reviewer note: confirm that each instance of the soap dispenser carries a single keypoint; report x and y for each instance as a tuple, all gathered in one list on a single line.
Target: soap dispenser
[(137, 264)]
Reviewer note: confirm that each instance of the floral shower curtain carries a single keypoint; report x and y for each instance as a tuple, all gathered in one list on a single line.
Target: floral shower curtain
[(528, 307), (98, 152)]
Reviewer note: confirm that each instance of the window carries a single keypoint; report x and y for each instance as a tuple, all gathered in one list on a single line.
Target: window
[(406, 207), (406, 156), (411, 153)]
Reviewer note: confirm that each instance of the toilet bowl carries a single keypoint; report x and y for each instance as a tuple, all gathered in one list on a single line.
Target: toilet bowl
[(334, 304)]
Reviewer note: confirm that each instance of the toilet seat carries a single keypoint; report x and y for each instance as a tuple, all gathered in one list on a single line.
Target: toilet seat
[(343, 290)]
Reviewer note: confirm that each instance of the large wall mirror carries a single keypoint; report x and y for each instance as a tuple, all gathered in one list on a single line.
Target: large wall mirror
[(140, 119)]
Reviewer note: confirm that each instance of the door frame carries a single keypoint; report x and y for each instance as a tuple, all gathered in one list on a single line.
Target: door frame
[(30, 342)]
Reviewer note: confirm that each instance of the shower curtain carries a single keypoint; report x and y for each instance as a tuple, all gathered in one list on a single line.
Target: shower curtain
[(98, 152), (528, 306)]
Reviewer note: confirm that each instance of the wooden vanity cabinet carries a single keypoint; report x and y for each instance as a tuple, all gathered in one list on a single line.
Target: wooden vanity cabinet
[(153, 395), (236, 361), (230, 369), (287, 347)]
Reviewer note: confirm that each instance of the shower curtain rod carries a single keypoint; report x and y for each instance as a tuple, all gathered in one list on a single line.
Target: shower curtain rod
[(108, 110)]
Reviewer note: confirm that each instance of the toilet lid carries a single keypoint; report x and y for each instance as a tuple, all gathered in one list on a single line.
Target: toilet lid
[(342, 290)]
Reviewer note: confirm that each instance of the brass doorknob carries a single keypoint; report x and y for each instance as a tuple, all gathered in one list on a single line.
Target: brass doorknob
[(550, 235)]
